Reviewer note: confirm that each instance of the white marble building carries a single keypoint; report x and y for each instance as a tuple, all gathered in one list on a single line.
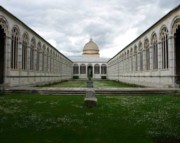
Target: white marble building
[(90, 63), (153, 58)]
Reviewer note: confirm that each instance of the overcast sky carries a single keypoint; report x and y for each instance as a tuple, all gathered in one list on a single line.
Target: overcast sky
[(69, 24)]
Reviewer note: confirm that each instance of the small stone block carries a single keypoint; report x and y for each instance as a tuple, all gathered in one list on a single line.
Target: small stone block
[(90, 83), (90, 99)]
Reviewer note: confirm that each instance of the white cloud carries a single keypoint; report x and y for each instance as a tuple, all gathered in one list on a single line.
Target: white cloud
[(68, 24), (52, 42)]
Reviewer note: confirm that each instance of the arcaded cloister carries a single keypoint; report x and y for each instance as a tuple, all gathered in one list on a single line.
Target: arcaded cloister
[(152, 59), (26, 58)]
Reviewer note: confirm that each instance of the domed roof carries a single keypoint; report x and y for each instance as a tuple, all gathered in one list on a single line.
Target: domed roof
[(91, 49)]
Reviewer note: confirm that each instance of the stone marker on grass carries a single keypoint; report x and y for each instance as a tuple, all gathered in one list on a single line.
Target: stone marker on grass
[(89, 84), (90, 100)]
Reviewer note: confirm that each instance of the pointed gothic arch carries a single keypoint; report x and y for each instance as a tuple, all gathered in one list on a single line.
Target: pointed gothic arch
[(154, 43), (4, 24), (14, 47), (147, 49), (43, 57), (131, 56), (140, 56), (3, 33), (176, 33), (25, 43), (135, 57), (164, 33), (38, 56), (32, 53), (2, 54)]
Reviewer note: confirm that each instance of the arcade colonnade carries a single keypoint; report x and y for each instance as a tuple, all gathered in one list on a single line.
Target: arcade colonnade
[(26, 58), (96, 70), (152, 59)]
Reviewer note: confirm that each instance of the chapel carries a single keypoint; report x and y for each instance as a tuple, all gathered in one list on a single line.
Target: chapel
[(90, 63)]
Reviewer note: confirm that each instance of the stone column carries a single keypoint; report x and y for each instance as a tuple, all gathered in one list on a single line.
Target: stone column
[(118, 69), (20, 56), (159, 55), (45, 64), (40, 61), (125, 65), (48, 63), (150, 64), (86, 69), (144, 60), (28, 63), (93, 70), (40, 66), (138, 61), (28, 59), (79, 65), (134, 63), (171, 54), (58, 62), (123, 68), (171, 58), (7, 61), (60, 68), (34, 66), (151, 58), (20, 62)]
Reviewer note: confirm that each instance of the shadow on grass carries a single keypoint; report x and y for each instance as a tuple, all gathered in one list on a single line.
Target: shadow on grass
[(166, 140)]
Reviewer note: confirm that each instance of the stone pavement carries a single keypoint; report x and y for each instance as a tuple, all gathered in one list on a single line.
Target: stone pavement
[(82, 91)]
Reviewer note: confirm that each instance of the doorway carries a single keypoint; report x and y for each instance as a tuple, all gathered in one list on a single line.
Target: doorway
[(90, 72), (2, 47), (177, 53)]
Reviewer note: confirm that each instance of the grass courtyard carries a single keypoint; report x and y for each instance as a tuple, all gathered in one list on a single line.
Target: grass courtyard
[(34, 118), (96, 83)]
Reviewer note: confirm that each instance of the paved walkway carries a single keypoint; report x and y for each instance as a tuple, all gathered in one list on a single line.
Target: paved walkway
[(76, 91)]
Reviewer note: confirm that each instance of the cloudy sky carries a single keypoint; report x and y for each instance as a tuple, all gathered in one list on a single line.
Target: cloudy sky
[(69, 24)]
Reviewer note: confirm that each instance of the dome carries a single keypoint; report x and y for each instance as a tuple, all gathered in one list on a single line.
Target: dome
[(91, 49)]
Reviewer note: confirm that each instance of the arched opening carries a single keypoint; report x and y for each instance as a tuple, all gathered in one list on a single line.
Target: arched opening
[(82, 69), (154, 43), (177, 52), (2, 53), (140, 57), (75, 69), (90, 72), (96, 69), (103, 69), (165, 48), (14, 48), (24, 51), (147, 49)]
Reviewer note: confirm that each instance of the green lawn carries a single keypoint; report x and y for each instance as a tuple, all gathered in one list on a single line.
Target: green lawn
[(96, 83), (69, 83), (64, 119), (111, 84)]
